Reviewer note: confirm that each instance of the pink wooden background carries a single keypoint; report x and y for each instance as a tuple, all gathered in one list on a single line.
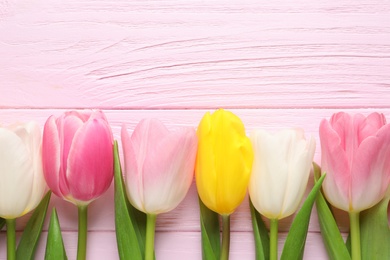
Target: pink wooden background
[(276, 64)]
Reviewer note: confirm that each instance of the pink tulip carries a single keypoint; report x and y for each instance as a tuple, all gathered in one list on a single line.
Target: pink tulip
[(356, 159), (78, 155), (159, 165)]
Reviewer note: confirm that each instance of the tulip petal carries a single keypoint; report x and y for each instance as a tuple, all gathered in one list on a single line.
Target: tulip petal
[(335, 164), (83, 115), (345, 126), (146, 135), (300, 162), (269, 174), (234, 157), (90, 161), (283, 151), (370, 125), (371, 170), (30, 134), (133, 175), (69, 125), (51, 157), (168, 171), (206, 174), (16, 169), (98, 114)]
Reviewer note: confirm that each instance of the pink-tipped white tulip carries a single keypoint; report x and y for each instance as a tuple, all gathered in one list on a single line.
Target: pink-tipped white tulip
[(22, 184), (280, 171), (356, 160), (159, 165), (78, 155)]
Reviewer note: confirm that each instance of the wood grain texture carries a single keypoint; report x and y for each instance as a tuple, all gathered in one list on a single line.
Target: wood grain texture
[(276, 64), (168, 54), (170, 245)]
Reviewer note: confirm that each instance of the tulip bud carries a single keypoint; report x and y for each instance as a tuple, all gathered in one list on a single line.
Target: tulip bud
[(22, 184), (224, 161), (280, 171), (159, 165), (78, 155), (355, 156)]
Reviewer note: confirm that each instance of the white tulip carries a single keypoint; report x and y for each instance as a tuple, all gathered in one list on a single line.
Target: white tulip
[(280, 171), (22, 184)]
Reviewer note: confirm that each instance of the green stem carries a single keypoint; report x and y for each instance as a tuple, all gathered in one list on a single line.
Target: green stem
[(83, 224), (225, 237), (150, 232), (11, 239), (355, 235), (274, 239)]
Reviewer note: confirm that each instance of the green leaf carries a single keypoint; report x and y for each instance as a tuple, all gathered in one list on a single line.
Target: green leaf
[(330, 232), (209, 222), (260, 233), (295, 242), (130, 234), (55, 249), (2, 223), (348, 243), (375, 232), (30, 237)]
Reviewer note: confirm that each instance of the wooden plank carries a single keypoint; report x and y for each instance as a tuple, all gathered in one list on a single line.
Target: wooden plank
[(277, 64), (170, 245), (153, 54)]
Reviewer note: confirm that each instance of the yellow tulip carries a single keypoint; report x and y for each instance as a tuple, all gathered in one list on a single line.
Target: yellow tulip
[(224, 161)]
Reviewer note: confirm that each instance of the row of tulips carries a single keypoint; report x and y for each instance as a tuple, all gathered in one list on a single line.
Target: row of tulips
[(75, 159)]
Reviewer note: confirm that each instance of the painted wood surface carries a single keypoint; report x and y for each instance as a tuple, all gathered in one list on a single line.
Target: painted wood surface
[(276, 64)]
